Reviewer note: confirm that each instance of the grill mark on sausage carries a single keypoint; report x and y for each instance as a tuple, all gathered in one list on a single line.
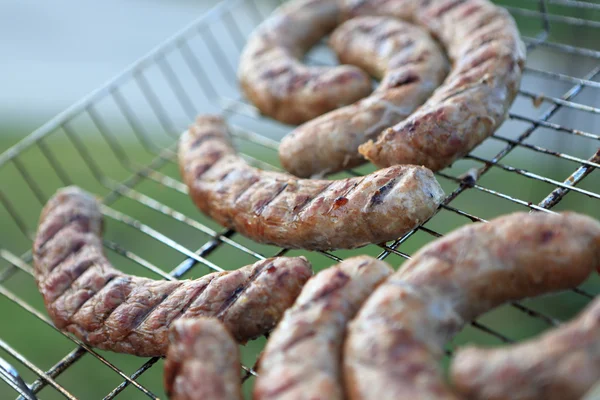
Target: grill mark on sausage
[(208, 166), (126, 280), (317, 323), (470, 10), (69, 289), (79, 269), (405, 80), (337, 283), (480, 82), (276, 71), (378, 197), (404, 325), (106, 308), (225, 175), (204, 138), (300, 209), (483, 22), (74, 248), (140, 319), (240, 290), (478, 45), (73, 218), (381, 36), (445, 9), (309, 201), (191, 301), (415, 60), (342, 199), (261, 207), (108, 282), (243, 191), (299, 339), (481, 60), (286, 387)]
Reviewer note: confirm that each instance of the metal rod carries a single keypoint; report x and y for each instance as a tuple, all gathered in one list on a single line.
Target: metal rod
[(118, 80), (58, 368), (11, 376), (33, 368), (20, 302)]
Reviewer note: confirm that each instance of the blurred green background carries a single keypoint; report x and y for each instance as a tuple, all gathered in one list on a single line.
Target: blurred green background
[(71, 153)]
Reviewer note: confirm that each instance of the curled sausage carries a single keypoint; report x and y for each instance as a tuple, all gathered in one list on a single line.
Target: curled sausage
[(275, 80), (410, 65), (303, 355), (395, 343), (481, 40), (203, 362), (111, 310), (563, 364), (488, 57), (280, 209)]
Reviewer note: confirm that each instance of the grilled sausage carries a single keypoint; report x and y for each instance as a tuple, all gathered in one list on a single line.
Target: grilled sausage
[(395, 343), (481, 40), (410, 65), (488, 57), (203, 362), (110, 310), (276, 81), (280, 209), (563, 364), (302, 359)]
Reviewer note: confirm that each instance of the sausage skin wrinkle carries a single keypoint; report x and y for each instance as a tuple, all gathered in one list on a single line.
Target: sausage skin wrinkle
[(203, 362), (397, 339), (280, 209), (481, 40), (111, 310), (302, 359)]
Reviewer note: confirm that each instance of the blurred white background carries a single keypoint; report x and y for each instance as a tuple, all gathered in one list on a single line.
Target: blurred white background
[(53, 53)]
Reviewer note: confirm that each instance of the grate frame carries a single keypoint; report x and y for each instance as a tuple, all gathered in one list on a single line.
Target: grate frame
[(216, 39)]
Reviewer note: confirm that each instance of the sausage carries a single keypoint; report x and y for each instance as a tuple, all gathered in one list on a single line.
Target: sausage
[(111, 310), (488, 57), (481, 40), (563, 364), (395, 343), (273, 78), (279, 209), (302, 359), (410, 65), (203, 362)]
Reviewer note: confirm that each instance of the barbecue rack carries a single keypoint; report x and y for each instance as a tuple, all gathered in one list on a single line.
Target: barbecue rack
[(119, 143)]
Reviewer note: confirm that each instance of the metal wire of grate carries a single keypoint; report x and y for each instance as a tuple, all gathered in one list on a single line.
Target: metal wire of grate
[(119, 142)]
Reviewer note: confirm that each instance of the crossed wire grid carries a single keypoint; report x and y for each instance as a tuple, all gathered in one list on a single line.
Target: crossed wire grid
[(208, 50)]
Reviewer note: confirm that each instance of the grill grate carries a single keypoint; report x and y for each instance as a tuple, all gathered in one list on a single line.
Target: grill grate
[(119, 142)]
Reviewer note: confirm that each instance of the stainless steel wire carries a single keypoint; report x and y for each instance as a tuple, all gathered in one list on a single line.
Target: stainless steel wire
[(193, 72)]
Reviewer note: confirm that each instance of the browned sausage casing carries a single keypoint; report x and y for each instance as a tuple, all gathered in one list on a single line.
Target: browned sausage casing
[(302, 359), (563, 364), (481, 40), (395, 343), (275, 80), (111, 310), (203, 362), (410, 65), (280, 209), (488, 57)]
